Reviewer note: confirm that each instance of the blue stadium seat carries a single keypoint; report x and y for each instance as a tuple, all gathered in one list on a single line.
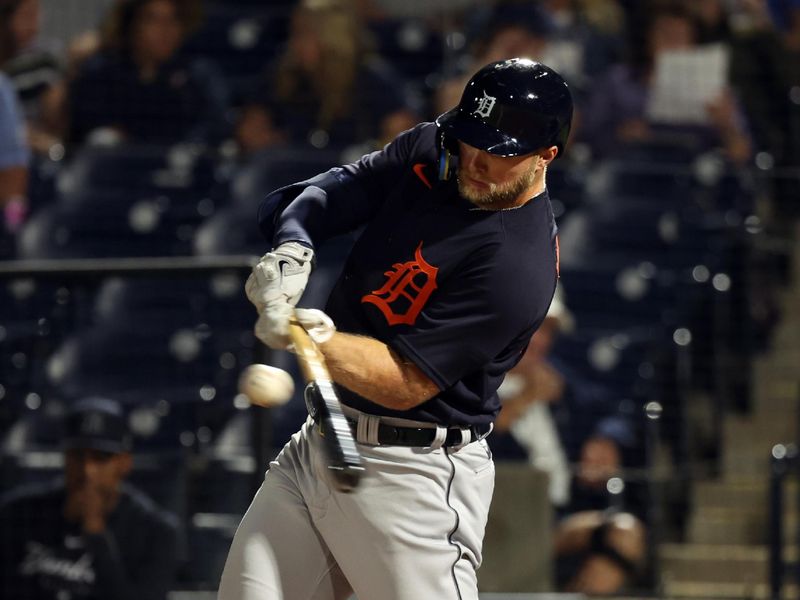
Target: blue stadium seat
[(410, 45), (276, 167), (625, 295), (209, 537), (676, 235), (182, 378), (231, 231), (164, 477), (139, 168), (35, 315), (222, 484), (624, 360), (27, 468), (99, 229)]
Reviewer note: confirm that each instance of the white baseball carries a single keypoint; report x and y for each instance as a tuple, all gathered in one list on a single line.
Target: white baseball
[(265, 385)]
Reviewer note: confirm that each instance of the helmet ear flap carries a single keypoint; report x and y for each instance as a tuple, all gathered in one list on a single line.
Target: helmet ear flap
[(448, 156)]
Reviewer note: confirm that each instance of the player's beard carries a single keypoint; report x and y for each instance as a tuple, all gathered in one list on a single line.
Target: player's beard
[(499, 195)]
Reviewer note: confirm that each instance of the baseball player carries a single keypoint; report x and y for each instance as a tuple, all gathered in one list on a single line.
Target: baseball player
[(452, 273)]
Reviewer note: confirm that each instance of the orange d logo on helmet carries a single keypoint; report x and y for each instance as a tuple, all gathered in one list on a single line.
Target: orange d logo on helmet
[(408, 287)]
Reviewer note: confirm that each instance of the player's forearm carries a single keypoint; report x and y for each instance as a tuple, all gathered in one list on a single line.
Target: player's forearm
[(371, 369)]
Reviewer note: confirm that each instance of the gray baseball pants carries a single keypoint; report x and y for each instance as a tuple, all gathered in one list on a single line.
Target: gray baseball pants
[(412, 530)]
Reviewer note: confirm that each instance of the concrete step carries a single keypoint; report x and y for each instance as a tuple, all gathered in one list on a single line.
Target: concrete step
[(742, 493), (788, 299), (732, 525), (702, 590), (745, 463), (770, 376), (715, 563), (773, 398), (785, 335), (762, 429), (746, 457), (783, 349)]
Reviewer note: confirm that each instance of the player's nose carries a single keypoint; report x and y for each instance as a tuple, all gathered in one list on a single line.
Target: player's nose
[(472, 158)]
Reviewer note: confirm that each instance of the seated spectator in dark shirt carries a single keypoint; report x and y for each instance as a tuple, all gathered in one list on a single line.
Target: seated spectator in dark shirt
[(615, 117), (138, 87), (326, 89), (87, 535), (599, 552), (573, 430)]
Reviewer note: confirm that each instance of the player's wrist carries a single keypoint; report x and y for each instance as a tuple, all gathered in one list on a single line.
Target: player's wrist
[(296, 250)]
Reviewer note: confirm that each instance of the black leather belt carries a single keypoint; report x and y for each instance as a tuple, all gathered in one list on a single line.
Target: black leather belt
[(391, 435)]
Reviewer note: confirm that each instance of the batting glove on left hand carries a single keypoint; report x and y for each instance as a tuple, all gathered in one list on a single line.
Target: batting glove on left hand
[(272, 327), (280, 276)]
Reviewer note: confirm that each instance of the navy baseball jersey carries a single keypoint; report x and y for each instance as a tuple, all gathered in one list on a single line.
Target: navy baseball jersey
[(456, 289), (45, 557)]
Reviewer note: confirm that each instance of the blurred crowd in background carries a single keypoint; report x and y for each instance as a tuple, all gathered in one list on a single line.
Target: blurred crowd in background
[(142, 128)]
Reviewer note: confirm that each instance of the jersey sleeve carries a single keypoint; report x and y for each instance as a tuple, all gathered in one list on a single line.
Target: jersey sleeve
[(343, 198), (484, 316)]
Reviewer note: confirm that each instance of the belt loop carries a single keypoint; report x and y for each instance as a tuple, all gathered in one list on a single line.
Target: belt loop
[(440, 437), (367, 429), (466, 438), (485, 435)]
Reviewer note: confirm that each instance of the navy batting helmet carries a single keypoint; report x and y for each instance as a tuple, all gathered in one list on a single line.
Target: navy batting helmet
[(511, 107)]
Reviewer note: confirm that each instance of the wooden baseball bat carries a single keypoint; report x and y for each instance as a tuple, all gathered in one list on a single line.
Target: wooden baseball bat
[(344, 460)]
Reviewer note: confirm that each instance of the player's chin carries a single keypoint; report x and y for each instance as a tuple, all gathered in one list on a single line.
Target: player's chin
[(474, 193)]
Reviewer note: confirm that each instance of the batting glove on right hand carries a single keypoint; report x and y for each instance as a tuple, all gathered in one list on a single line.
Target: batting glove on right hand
[(280, 276), (272, 327)]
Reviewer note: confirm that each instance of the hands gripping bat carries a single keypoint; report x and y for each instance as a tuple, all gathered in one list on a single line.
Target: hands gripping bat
[(344, 461)]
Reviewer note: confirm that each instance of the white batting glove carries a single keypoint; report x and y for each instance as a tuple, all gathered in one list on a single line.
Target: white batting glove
[(272, 327), (319, 326), (280, 276)]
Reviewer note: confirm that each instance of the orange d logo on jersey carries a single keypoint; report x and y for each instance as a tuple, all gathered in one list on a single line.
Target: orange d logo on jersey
[(408, 287)]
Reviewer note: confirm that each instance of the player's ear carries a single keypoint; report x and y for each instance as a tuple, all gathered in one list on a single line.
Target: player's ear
[(549, 154), (448, 157)]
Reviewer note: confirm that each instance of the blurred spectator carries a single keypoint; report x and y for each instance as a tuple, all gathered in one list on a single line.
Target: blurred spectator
[(615, 115), (138, 87), (599, 552), (327, 88), (759, 66), (578, 38), (14, 157), (33, 67), (555, 419), (588, 37), (507, 30), (786, 15), (88, 534)]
